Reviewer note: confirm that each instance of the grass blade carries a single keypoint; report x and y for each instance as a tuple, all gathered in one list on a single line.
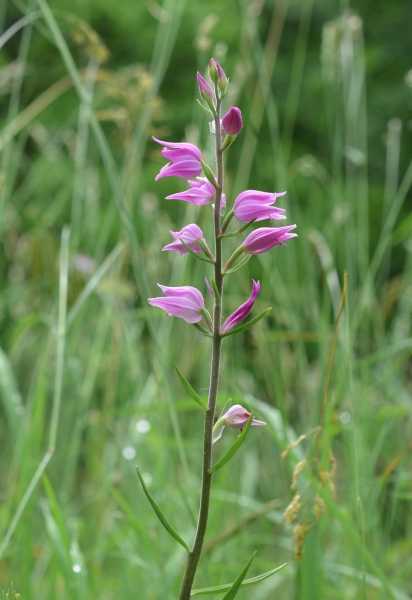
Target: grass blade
[(161, 516), (235, 447), (220, 589), (189, 388)]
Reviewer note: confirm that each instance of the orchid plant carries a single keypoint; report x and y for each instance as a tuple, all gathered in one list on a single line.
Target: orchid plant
[(185, 160)]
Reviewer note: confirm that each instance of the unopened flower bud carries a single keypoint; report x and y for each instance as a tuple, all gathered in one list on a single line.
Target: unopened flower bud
[(213, 72), (232, 121), (222, 80), (205, 90), (217, 75)]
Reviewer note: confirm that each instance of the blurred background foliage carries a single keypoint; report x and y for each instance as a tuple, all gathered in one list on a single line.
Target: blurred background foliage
[(87, 386)]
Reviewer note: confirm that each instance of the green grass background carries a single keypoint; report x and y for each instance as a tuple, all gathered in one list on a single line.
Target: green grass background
[(85, 373)]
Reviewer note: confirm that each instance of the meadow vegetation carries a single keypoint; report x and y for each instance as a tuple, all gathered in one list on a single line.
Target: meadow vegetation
[(87, 386)]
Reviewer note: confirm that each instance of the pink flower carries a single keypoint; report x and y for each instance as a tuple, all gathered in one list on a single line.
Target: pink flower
[(237, 417), (253, 205), (184, 160), (232, 121), (201, 193), (243, 311), (191, 234), (184, 302), (204, 87), (265, 238)]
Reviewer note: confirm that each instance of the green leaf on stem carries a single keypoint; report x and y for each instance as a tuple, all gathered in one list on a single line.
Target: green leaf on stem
[(188, 387), (248, 324), (216, 291), (239, 231), (226, 407), (195, 253), (161, 516), (209, 174), (204, 108), (229, 139), (202, 330), (238, 582), (240, 265), (220, 589), (235, 447), (220, 424), (202, 243)]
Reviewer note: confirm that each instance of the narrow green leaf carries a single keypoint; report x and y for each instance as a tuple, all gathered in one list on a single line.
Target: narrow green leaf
[(239, 265), (220, 425), (161, 516), (235, 447), (204, 107), (226, 407), (238, 582), (216, 291), (188, 387), (248, 324), (239, 231), (229, 139), (195, 254), (220, 589), (202, 330), (209, 174)]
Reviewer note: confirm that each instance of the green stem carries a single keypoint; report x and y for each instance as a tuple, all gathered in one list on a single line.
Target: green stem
[(195, 552)]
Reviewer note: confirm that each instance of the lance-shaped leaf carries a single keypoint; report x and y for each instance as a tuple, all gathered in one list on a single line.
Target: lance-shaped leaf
[(209, 175), (235, 447), (238, 231), (248, 324), (161, 516), (202, 330), (238, 582), (220, 589), (202, 258), (188, 387), (239, 265), (216, 291), (204, 107), (220, 424)]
